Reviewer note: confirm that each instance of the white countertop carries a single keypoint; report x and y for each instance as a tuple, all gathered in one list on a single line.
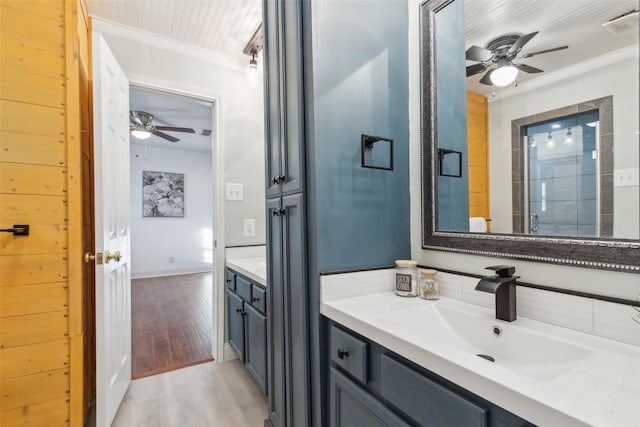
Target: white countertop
[(250, 261), (254, 268), (603, 390)]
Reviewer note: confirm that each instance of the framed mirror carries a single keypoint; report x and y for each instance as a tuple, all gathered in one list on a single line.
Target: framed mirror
[(541, 100)]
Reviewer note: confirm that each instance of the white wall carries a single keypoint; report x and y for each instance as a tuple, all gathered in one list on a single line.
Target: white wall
[(622, 285), (158, 60), (618, 78), (188, 239)]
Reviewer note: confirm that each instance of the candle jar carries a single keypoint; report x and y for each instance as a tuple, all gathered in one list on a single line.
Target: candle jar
[(428, 285), (406, 278)]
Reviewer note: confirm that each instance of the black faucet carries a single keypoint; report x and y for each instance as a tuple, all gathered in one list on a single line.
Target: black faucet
[(503, 284)]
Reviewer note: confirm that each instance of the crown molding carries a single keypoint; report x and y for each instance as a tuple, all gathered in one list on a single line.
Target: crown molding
[(568, 72), (136, 35)]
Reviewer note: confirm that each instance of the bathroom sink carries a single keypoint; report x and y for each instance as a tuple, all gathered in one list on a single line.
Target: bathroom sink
[(475, 331)]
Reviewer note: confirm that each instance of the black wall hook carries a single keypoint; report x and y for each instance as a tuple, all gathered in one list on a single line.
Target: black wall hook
[(17, 230)]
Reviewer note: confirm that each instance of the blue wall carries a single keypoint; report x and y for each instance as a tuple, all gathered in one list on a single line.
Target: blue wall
[(453, 193), (360, 85)]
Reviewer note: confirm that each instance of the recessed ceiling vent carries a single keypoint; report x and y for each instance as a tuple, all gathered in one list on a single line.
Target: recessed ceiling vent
[(623, 24), (206, 132)]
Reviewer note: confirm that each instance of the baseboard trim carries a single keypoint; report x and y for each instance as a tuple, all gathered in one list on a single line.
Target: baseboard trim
[(146, 275), (228, 353)]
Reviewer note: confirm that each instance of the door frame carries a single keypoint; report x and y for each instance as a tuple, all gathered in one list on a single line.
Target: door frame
[(218, 179)]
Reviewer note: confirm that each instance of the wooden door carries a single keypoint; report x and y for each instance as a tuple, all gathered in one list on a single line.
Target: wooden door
[(478, 145), (113, 276)]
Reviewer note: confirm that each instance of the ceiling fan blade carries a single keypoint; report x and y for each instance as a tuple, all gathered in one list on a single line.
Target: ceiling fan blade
[(521, 42), (540, 52), (527, 68), (168, 137), (176, 129), (479, 54), (486, 79), (475, 69)]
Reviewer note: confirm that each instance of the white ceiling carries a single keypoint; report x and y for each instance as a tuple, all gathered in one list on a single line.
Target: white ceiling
[(220, 25), (576, 23), (223, 26), (173, 110)]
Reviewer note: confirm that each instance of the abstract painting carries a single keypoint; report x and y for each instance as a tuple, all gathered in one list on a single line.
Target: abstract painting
[(162, 194)]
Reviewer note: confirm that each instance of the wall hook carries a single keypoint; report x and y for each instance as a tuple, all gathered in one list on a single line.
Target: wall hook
[(17, 230)]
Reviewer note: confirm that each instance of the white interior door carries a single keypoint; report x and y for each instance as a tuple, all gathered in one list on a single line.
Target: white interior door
[(113, 275)]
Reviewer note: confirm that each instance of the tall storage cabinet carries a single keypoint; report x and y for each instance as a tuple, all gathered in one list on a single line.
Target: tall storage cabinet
[(287, 326)]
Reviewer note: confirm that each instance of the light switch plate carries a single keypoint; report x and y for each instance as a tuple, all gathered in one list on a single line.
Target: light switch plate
[(234, 191), (626, 177)]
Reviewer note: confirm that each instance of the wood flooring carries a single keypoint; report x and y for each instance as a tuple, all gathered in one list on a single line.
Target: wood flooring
[(171, 322)]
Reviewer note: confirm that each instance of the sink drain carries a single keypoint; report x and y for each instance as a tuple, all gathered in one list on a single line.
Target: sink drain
[(487, 357)]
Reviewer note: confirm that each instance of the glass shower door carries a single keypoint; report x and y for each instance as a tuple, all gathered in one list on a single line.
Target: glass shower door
[(562, 171)]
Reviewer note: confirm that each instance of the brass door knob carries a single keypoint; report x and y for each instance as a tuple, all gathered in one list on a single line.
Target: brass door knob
[(89, 257), (112, 256)]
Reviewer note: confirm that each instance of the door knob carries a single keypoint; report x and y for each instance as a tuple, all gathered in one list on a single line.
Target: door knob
[(89, 257), (112, 256)]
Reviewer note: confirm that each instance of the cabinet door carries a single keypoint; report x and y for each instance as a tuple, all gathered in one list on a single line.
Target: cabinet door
[(295, 308), (351, 406), (292, 150), (284, 113), (235, 322), (272, 89), (256, 350), (275, 308)]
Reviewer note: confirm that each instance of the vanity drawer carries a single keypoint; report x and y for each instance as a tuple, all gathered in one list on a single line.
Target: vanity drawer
[(350, 353), (425, 401), (259, 298), (243, 288), (231, 280)]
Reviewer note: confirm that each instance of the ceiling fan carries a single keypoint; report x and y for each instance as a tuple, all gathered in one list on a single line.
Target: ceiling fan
[(141, 127), (497, 59)]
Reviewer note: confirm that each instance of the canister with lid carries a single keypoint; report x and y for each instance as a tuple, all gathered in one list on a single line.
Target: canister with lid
[(406, 278), (428, 287)]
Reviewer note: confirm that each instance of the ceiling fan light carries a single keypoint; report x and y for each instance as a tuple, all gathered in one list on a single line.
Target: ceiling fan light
[(503, 76), (141, 133)]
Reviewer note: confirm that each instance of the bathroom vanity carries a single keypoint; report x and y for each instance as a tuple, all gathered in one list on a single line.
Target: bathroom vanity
[(247, 315), (406, 361)]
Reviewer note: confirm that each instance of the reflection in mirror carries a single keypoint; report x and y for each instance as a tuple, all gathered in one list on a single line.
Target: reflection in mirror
[(541, 100), (532, 74)]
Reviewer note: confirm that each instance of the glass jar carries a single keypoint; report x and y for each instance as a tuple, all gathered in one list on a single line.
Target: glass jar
[(406, 278), (428, 284)]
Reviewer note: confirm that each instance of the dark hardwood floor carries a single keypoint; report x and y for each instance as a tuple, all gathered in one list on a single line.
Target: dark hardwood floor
[(171, 322)]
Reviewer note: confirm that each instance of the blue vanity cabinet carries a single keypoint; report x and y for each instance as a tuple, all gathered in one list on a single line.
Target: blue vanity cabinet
[(388, 390), (247, 326)]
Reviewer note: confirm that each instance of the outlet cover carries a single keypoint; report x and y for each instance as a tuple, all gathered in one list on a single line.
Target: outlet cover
[(626, 177), (234, 191), (249, 227)]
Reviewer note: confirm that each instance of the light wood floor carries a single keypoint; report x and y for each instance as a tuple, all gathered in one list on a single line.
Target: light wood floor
[(171, 323), (209, 394)]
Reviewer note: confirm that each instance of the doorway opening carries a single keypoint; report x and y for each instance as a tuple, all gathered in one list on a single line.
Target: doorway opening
[(171, 212)]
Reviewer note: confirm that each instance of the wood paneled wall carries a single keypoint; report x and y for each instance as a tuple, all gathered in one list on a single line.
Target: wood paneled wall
[(41, 326), (478, 138)]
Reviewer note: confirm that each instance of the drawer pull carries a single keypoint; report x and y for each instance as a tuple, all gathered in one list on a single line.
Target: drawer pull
[(256, 299), (239, 310), (342, 353)]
